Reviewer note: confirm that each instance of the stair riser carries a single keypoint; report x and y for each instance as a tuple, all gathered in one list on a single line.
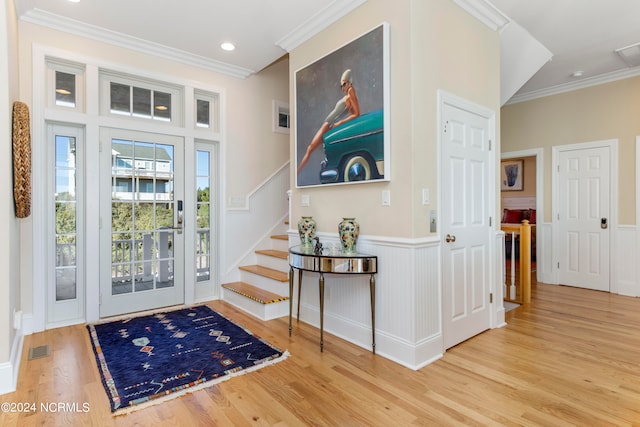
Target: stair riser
[(280, 288), (261, 311), (273, 262), (281, 245)]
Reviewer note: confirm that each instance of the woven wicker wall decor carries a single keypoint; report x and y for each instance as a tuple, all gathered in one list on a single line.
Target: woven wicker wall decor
[(21, 159)]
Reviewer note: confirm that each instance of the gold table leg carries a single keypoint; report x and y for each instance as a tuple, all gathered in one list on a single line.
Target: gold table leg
[(321, 280), (291, 273), (372, 289), (299, 290)]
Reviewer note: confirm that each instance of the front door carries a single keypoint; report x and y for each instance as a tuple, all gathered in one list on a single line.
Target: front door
[(583, 217), (142, 245), (466, 229)]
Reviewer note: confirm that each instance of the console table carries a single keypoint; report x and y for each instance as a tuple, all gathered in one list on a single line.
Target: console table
[(335, 262)]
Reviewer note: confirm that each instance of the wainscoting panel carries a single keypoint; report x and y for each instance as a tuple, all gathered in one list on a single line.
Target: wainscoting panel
[(408, 300), (545, 257), (244, 228), (625, 262)]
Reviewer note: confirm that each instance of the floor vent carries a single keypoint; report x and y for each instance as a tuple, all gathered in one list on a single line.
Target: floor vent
[(38, 352)]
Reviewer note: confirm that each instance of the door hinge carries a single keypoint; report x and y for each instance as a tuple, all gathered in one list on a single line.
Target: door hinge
[(491, 298), (490, 221), (100, 146), (100, 298), (558, 265), (489, 145), (558, 168)]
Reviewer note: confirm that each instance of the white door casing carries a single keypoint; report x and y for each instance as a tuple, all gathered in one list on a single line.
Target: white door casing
[(467, 200), (584, 215)]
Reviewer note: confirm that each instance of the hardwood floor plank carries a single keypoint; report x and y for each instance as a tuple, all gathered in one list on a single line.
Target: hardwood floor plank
[(570, 358)]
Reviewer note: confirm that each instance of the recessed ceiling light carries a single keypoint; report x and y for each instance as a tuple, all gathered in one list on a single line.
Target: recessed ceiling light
[(162, 107), (228, 46), (63, 91), (579, 73), (74, 1)]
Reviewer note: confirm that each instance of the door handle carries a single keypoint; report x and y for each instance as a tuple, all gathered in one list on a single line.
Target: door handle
[(178, 227), (603, 223), (450, 238)]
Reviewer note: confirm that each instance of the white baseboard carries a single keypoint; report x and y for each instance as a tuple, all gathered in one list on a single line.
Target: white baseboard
[(9, 370)]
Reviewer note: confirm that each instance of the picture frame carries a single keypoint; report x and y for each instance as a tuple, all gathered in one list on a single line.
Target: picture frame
[(512, 175), (343, 147), (281, 117)]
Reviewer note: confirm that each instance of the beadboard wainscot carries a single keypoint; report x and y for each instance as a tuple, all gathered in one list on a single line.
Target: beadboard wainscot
[(408, 300)]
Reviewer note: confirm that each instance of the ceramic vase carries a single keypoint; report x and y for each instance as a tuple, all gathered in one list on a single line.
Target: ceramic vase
[(307, 231), (348, 229)]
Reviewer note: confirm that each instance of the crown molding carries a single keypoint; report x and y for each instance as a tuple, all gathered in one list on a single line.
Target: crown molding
[(56, 22), (581, 84), (484, 12), (317, 23)]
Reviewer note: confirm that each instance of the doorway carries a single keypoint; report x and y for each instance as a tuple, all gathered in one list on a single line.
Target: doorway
[(468, 201), (141, 236)]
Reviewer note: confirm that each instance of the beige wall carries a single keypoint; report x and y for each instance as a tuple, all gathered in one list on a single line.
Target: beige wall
[(433, 45), (608, 111), (9, 226)]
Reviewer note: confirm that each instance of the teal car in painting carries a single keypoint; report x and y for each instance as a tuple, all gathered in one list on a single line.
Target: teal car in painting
[(354, 151)]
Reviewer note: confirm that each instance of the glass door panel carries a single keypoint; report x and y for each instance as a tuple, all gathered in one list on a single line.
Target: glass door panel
[(66, 289), (145, 196)]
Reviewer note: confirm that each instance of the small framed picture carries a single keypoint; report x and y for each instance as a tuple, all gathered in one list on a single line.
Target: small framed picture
[(512, 175)]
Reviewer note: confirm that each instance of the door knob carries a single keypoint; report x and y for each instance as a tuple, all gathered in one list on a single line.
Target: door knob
[(450, 238)]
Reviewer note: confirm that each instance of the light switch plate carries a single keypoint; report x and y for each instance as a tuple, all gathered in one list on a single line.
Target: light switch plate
[(386, 198), (425, 197), (305, 200)]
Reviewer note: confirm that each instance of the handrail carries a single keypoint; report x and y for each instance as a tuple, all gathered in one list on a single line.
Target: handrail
[(524, 230)]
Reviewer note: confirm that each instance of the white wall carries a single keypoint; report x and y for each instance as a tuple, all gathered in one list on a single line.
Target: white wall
[(10, 339)]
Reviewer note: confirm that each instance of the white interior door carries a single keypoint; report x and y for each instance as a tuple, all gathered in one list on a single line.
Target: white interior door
[(465, 224), (141, 244), (584, 178)]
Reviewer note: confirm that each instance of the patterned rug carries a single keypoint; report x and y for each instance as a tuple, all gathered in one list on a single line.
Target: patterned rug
[(147, 360)]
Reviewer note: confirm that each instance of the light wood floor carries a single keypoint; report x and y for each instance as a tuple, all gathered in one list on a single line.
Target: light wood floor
[(571, 357)]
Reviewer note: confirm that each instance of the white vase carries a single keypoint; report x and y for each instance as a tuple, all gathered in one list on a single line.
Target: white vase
[(348, 229), (307, 231)]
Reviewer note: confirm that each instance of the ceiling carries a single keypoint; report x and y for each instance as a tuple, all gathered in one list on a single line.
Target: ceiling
[(193, 30), (581, 35)]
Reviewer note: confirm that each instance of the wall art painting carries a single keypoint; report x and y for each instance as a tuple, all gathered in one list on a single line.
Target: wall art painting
[(342, 121)]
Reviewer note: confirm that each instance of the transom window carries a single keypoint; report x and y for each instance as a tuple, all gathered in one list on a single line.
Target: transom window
[(65, 85), (206, 110), (127, 96)]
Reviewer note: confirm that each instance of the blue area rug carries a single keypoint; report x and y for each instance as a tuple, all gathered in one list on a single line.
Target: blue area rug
[(149, 359)]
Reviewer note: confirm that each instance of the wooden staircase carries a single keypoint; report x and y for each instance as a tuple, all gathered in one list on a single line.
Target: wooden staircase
[(263, 288)]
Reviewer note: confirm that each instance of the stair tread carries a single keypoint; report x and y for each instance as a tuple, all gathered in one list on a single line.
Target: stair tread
[(280, 237), (252, 292), (274, 253), (278, 275)]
